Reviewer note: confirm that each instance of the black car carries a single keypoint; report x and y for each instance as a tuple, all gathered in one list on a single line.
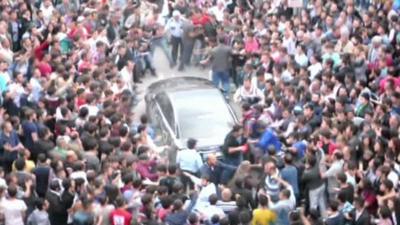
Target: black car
[(189, 107)]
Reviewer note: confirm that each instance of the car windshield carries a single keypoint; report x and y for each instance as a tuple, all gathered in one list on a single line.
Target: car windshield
[(202, 114)]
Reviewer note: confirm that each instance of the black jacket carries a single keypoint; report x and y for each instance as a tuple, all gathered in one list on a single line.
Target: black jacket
[(364, 219), (57, 213)]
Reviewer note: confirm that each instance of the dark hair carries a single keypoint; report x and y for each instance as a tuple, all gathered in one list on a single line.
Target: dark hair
[(311, 160), (388, 184), (172, 168), (236, 128), (191, 143), (144, 119), (12, 191), (41, 158), (123, 131), (215, 219), (166, 201), (20, 164), (385, 212), (242, 202), (224, 221), (178, 204), (127, 178), (141, 128), (193, 219), (119, 202), (89, 143), (212, 199), (342, 197), (263, 200), (359, 201), (39, 203), (288, 158), (66, 183), (162, 168), (286, 193), (334, 205), (146, 199), (244, 217), (342, 177), (136, 183)]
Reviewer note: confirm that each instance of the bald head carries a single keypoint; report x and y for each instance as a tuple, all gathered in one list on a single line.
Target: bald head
[(212, 159), (226, 195)]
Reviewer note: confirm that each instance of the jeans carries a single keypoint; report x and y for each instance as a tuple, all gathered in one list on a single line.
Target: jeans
[(148, 61), (317, 199), (186, 54), (176, 43), (162, 43), (223, 78), (198, 51), (229, 168)]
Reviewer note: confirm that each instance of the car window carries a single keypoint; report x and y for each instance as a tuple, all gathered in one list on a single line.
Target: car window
[(156, 124), (196, 110), (166, 109)]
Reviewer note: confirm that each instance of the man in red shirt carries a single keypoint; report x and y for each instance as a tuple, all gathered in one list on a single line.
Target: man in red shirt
[(120, 216)]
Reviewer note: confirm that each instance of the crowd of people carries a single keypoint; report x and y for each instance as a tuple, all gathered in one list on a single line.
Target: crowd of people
[(317, 82)]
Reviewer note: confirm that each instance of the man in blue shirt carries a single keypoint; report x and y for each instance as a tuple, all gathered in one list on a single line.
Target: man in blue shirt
[(29, 128), (289, 173), (268, 138), (189, 160), (10, 145)]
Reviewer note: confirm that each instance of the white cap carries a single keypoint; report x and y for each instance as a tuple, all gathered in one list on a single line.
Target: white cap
[(3, 183), (176, 13), (80, 19)]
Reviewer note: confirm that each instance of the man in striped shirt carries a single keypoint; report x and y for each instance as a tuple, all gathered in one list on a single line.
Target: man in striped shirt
[(271, 184)]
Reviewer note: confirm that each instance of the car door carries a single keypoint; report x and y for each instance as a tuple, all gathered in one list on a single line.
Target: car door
[(167, 118), (156, 121)]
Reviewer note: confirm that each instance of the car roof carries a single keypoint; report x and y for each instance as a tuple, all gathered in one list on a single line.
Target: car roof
[(178, 84), (204, 99), (201, 110)]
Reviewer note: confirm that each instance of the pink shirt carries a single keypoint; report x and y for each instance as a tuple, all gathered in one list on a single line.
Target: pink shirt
[(382, 83), (251, 46)]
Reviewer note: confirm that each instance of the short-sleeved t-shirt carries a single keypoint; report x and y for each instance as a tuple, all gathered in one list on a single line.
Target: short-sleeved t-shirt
[(83, 218), (120, 217), (13, 211), (263, 217), (231, 141), (29, 128)]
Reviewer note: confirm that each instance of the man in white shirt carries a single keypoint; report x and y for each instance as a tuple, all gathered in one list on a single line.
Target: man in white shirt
[(16, 89), (47, 10), (315, 66), (13, 208), (91, 105), (207, 189), (218, 11), (248, 93), (210, 210), (189, 160), (127, 75), (175, 28)]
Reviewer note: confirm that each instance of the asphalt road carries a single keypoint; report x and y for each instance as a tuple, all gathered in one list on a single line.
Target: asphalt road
[(164, 72)]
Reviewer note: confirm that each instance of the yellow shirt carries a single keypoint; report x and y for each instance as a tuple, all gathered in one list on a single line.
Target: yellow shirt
[(29, 166), (263, 217)]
